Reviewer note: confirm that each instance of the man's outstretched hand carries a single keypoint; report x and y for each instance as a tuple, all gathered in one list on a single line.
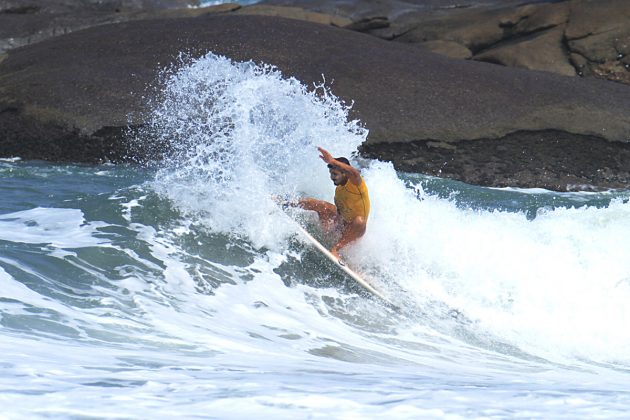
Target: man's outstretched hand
[(325, 156)]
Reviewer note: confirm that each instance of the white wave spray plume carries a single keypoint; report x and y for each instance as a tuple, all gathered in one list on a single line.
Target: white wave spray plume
[(239, 132)]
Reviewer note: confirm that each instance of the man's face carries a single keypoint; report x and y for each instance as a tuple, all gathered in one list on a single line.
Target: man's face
[(337, 176)]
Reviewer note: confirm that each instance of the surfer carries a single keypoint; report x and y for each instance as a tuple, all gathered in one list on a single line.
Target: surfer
[(348, 216)]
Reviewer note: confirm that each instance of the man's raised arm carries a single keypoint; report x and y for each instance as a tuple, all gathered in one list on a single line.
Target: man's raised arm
[(354, 175)]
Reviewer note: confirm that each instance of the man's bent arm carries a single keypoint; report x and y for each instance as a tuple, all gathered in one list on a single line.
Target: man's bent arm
[(354, 175)]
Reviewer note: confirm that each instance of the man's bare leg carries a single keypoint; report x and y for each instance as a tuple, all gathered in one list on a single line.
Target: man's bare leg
[(326, 211), (351, 232)]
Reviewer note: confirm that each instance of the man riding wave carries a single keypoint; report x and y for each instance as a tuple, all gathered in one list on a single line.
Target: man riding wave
[(349, 215)]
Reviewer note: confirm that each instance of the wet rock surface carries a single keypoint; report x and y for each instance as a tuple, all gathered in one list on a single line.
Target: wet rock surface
[(554, 160)]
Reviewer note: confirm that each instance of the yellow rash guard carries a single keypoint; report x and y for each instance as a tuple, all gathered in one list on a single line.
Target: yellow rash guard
[(352, 201)]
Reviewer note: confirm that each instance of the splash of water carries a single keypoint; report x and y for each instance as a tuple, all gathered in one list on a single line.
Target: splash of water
[(240, 132), (554, 286)]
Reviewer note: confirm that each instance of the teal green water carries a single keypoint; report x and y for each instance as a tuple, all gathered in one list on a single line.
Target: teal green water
[(116, 303)]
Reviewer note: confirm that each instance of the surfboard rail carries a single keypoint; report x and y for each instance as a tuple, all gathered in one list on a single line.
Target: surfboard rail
[(344, 267)]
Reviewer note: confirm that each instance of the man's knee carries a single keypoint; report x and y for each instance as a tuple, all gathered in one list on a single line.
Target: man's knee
[(359, 225), (311, 204), (306, 203)]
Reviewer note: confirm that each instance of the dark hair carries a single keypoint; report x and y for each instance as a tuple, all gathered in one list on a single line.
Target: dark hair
[(340, 159)]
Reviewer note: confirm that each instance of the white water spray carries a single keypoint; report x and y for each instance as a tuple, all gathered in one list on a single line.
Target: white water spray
[(240, 133), (555, 287)]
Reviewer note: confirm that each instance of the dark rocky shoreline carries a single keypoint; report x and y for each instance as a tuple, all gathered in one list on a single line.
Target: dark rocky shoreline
[(69, 97), (551, 159)]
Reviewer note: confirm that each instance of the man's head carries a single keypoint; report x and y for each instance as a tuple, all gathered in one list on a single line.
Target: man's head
[(338, 176)]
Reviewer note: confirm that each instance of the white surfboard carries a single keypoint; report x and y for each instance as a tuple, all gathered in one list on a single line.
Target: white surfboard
[(352, 274)]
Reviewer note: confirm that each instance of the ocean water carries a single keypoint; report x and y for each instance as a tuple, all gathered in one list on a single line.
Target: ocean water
[(179, 289)]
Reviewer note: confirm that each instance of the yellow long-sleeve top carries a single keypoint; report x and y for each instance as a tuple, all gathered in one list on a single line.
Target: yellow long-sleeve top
[(352, 200)]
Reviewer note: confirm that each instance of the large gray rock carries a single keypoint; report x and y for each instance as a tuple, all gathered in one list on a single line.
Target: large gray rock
[(585, 37), (69, 98), (599, 32), (594, 34), (484, 30), (294, 13), (543, 51), (450, 49), (23, 22)]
